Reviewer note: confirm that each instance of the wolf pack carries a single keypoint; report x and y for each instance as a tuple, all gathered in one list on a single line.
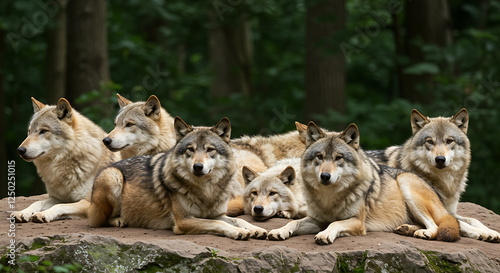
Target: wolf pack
[(159, 172)]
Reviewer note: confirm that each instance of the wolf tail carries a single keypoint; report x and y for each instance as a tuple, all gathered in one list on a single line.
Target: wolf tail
[(106, 197), (448, 229), (235, 207)]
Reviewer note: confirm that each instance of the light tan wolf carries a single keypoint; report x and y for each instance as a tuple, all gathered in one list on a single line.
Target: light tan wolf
[(270, 149), (275, 192), (67, 151), (439, 152), (141, 128), (348, 194), (260, 153), (185, 189)]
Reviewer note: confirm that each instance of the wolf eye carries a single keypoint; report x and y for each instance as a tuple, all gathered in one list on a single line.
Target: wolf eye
[(210, 150), (319, 156), (430, 142), (129, 124), (43, 131), (254, 193), (449, 141), (272, 193), (191, 149)]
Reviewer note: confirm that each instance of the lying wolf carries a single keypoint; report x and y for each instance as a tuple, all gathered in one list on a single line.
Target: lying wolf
[(67, 151), (185, 189)]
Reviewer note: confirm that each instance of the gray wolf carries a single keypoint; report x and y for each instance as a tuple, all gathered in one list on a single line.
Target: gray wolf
[(185, 189), (439, 152), (67, 151), (141, 128), (348, 194), (275, 192)]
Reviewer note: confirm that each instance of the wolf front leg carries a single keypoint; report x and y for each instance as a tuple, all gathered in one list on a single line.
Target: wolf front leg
[(59, 211), (305, 225), (351, 226), (26, 214), (473, 228), (255, 231), (184, 223)]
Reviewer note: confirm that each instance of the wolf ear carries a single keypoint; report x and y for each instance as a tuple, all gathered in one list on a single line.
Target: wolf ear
[(223, 129), (351, 135), (248, 175), (418, 121), (181, 128), (37, 106), (63, 110), (314, 133), (461, 119), (302, 129), (288, 176), (152, 107), (122, 101)]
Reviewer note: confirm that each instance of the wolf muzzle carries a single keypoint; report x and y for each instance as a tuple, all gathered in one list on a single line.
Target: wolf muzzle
[(198, 169), (107, 141), (440, 162), (21, 151)]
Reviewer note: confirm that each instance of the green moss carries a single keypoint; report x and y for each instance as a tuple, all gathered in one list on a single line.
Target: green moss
[(350, 263), (36, 245), (440, 264)]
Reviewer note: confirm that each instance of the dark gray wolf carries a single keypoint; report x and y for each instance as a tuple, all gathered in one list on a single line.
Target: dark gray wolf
[(348, 194), (185, 189)]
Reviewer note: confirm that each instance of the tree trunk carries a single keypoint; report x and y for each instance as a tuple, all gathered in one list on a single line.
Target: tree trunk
[(87, 61), (55, 68), (325, 73), (428, 20), (230, 55)]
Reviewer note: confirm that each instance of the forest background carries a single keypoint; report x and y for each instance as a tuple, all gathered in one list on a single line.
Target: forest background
[(262, 63)]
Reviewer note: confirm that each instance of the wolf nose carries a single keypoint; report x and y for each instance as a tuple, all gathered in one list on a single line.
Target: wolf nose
[(325, 176), (258, 209), (21, 150), (198, 167), (107, 141), (440, 160)]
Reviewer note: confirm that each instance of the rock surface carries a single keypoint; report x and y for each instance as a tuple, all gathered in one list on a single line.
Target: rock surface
[(73, 245)]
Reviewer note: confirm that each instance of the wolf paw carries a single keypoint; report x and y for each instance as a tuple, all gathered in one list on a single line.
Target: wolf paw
[(117, 222), (278, 234), (41, 217), (22, 217), (239, 234), (488, 236), (423, 234), (258, 233), (284, 214), (324, 238), (406, 230)]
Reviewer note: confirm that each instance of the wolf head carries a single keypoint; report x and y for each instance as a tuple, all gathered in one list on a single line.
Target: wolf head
[(202, 151), (48, 131), (267, 194), (137, 125), (330, 159), (440, 143)]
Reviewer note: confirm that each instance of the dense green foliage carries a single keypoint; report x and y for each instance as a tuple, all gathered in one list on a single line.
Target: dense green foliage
[(144, 37)]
